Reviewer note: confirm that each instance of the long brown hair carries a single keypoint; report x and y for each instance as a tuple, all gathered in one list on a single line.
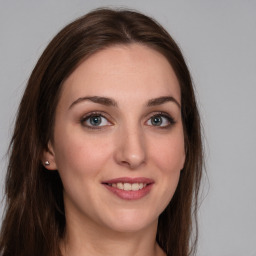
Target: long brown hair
[(34, 220)]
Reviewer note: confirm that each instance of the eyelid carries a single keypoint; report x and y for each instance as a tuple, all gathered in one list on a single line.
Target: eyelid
[(102, 114), (166, 115), (105, 115)]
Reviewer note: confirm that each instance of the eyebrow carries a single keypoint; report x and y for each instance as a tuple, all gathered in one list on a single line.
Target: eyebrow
[(162, 100), (96, 99), (112, 103)]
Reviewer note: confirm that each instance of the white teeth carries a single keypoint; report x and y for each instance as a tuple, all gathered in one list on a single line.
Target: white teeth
[(119, 185), (129, 186), (135, 186)]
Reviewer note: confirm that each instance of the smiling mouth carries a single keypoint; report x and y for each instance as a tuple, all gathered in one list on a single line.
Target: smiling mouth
[(128, 186)]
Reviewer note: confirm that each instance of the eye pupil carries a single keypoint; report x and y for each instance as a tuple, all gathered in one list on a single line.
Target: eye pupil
[(95, 120), (156, 120)]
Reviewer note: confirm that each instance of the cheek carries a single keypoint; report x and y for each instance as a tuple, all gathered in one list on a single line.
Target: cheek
[(169, 154), (80, 154)]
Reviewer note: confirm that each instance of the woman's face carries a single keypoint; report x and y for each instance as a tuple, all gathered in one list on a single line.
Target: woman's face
[(118, 139)]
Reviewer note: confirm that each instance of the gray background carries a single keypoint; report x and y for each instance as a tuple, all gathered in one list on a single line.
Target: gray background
[(218, 39)]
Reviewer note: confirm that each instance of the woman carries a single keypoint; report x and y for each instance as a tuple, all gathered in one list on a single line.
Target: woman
[(106, 155)]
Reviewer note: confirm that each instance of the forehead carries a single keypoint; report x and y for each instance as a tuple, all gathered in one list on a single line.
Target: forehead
[(121, 71)]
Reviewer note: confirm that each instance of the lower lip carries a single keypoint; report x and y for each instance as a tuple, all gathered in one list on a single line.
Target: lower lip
[(130, 195)]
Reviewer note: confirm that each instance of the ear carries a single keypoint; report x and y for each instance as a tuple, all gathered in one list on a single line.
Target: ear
[(48, 159)]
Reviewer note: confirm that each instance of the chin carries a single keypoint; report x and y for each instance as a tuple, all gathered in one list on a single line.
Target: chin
[(131, 221)]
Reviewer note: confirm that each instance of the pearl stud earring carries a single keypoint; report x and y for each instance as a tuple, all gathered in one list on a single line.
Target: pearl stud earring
[(47, 163)]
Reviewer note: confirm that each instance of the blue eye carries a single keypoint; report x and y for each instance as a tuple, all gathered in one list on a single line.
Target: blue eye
[(156, 120), (95, 121), (160, 120)]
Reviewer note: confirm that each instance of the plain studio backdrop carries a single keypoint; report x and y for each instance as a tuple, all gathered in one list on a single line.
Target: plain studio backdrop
[(218, 40)]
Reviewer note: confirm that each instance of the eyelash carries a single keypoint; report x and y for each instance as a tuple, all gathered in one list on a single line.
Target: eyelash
[(169, 118), (85, 118), (90, 115)]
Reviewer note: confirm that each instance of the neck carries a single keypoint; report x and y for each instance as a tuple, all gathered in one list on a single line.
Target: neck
[(94, 240)]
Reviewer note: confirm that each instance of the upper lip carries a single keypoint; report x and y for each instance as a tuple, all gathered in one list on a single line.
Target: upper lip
[(129, 180)]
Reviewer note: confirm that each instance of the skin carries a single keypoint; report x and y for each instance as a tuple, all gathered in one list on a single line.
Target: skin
[(127, 143)]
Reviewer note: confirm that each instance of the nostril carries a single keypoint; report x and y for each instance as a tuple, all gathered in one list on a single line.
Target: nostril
[(125, 163)]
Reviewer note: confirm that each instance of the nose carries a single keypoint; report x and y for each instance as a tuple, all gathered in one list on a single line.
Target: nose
[(131, 149)]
